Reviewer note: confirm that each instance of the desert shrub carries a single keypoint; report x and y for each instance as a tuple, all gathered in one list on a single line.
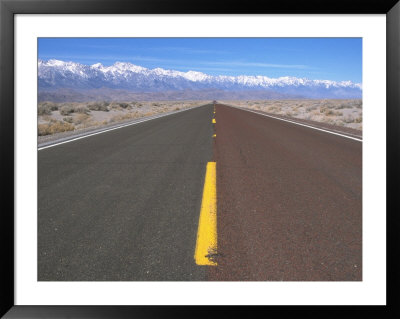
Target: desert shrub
[(358, 119), (177, 109), (52, 105), (328, 120), (47, 107), (341, 106), (81, 118), (311, 108), (124, 105), (340, 123), (51, 128), (47, 118), (114, 105), (44, 110), (43, 129), (98, 106), (82, 109), (326, 111), (330, 112), (272, 108), (66, 110), (155, 104), (348, 119), (68, 119)]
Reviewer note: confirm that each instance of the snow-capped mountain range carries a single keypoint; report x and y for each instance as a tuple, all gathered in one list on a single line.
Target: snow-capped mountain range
[(56, 74)]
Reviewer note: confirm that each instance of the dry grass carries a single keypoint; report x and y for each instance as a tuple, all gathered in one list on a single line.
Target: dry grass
[(80, 118), (54, 127), (123, 117)]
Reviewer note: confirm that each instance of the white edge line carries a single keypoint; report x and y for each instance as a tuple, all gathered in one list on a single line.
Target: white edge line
[(293, 122), (115, 128)]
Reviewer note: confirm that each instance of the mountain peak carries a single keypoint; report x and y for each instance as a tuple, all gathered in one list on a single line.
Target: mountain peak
[(97, 66), (127, 66)]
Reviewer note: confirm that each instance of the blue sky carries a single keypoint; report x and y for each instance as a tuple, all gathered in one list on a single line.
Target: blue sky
[(337, 59)]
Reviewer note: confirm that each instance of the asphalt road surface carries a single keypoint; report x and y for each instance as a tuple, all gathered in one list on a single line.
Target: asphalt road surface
[(289, 201), (125, 204)]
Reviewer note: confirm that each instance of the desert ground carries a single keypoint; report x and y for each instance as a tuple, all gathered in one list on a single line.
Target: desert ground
[(345, 113), (62, 117), (54, 118)]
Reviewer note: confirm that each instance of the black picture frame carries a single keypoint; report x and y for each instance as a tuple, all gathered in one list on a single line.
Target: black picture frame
[(8, 8)]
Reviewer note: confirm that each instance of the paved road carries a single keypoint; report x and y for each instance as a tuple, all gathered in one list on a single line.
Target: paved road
[(289, 201), (124, 205)]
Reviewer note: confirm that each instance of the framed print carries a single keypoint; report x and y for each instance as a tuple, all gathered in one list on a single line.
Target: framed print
[(166, 154)]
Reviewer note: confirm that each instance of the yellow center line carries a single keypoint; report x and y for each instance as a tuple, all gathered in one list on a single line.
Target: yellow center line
[(206, 244), (213, 120)]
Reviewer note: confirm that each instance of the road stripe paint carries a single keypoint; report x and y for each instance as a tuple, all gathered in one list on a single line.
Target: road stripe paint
[(88, 134), (215, 135), (206, 244), (213, 120), (297, 123)]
